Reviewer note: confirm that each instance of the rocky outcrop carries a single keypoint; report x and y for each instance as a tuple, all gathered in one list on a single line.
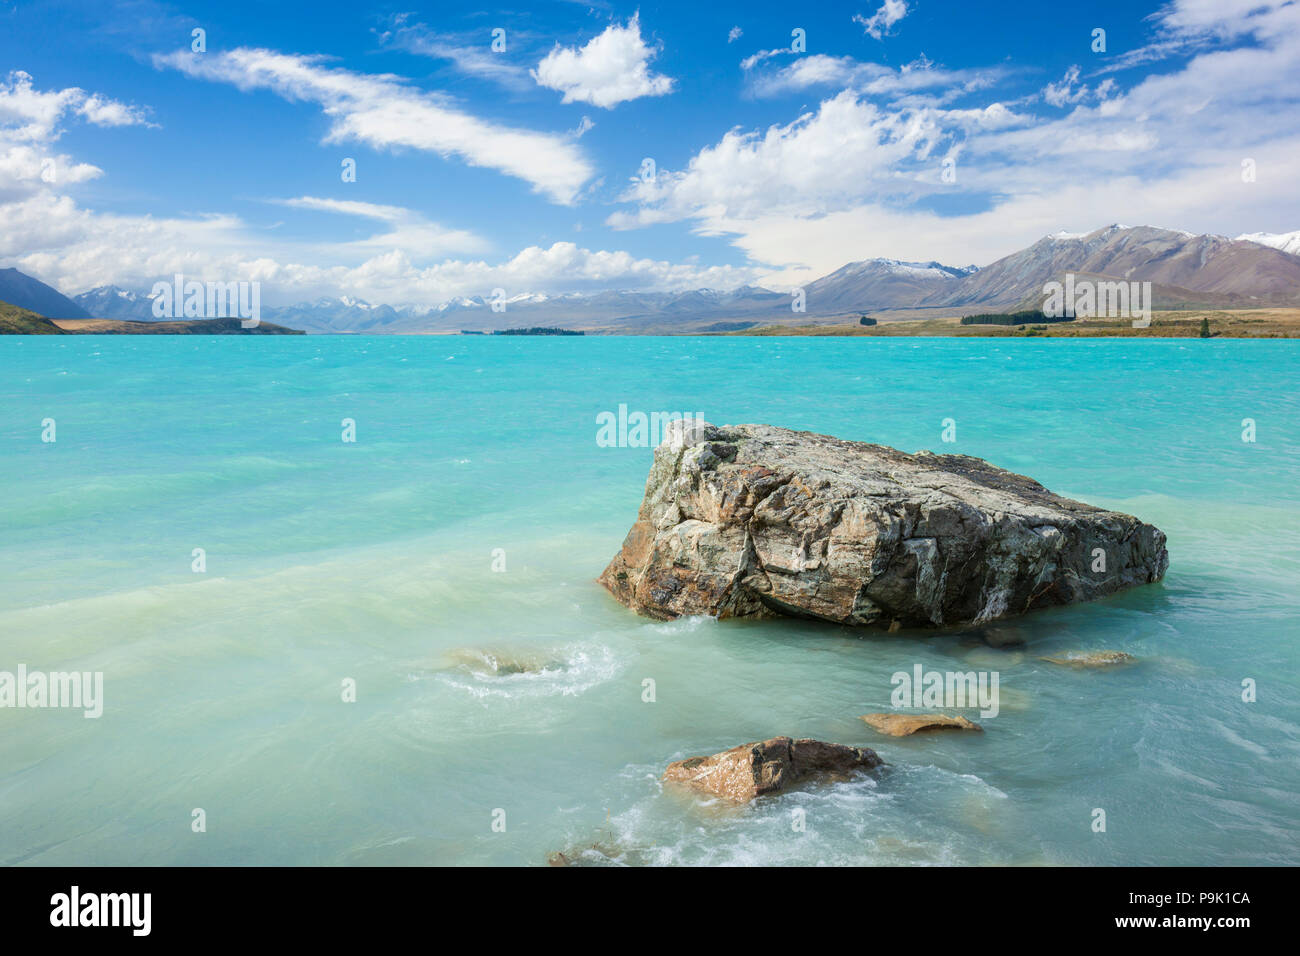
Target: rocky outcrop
[(904, 725), (768, 766), (1093, 659), (753, 521)]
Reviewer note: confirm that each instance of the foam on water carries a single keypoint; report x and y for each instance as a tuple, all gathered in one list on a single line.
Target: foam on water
[(567, 671)]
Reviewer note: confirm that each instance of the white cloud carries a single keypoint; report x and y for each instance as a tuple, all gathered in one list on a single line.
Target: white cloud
[(1186, 27), (33, 115), (105, 112), (381, 110), (878, 24), (75, 249), (407, 231), (874, 79), (611, 69), (31, 122), (471, 55), (821, 161), (734, 34), (751, 61), (797, 249), (1069, 91)]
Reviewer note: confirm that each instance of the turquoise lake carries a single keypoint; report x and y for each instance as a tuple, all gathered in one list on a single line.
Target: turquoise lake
[(373, 561)]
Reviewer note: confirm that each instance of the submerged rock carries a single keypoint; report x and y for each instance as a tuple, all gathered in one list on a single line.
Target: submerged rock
[(755, 521), (1093, 659), (604, 853), (768, 766), (904, 725), (502, 662)]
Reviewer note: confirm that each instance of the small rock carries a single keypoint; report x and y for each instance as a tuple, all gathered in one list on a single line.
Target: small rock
[(603, 853), (768, 766), (1093, 659), (904, 725)]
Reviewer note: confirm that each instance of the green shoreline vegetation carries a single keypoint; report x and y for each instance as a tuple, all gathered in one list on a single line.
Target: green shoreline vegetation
[(19, 321), (16, 321)]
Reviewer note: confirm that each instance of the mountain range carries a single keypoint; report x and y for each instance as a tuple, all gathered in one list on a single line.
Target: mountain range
[(1186, 271)]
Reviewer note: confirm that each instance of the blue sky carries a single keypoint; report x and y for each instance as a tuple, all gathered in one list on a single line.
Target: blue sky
[(914, 129)]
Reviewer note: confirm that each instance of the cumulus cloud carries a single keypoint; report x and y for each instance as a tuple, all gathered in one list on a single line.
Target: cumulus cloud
[(33, 115), (819, 161), (74, 249), (383, 111), (878, 24), (612, 68), (105, 112), (734, 34), (31, 123)]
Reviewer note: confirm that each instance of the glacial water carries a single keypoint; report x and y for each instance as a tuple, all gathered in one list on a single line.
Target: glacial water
[(521, 690)]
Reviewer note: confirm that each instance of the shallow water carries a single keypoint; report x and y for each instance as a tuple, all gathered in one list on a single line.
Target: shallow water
[(521, 690)]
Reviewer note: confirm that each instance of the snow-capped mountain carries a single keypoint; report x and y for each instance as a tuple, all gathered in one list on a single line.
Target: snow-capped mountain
[(1286, 241), (112, 302), (875, 284)]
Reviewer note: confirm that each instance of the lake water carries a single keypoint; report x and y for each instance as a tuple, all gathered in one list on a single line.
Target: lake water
[(377, 561)]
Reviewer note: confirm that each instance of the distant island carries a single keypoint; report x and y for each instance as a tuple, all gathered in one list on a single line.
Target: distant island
[(534, 330)]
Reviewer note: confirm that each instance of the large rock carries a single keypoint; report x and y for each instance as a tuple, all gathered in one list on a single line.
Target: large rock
[(769, 766), (752, 521)]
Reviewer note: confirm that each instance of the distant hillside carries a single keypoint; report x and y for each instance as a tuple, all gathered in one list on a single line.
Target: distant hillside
[(16, 321), (28, 293), (1226, 269), (1163, 297), (181, 327), (880, 284)]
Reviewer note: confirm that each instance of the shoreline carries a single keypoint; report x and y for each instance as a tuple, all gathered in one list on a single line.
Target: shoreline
[(1264, 323)]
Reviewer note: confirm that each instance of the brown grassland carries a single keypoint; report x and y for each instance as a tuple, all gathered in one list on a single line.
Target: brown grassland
[(1268, 323)]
